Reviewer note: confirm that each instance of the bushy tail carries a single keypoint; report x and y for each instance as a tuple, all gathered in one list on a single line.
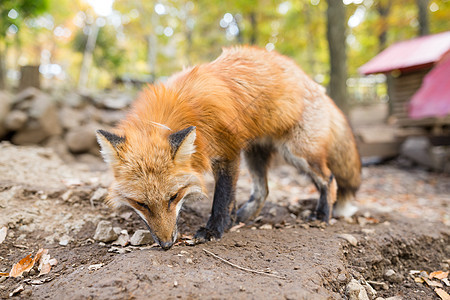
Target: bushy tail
[(345, 164)]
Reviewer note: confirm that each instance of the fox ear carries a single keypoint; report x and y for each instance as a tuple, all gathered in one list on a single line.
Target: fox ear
[(109, 143), (182, 143)]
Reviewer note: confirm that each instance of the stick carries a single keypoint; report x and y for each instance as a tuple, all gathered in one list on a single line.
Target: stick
[(242, 268)]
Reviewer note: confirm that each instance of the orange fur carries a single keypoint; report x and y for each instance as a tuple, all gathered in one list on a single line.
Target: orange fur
[(246, 95)]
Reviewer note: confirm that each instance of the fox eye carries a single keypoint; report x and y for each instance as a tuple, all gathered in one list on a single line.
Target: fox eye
[(143, 205), (173, 197)]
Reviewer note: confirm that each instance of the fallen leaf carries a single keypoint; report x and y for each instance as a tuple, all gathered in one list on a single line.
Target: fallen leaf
[(25, 264), (432, 283), (441, 293), (4, 274), (419, 280), (3, 232), (446, 281), (438, 275), (236, 227), (46, 263), (18, 290)]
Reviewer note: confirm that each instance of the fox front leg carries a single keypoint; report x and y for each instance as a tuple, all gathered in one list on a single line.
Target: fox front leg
[(223, 208)]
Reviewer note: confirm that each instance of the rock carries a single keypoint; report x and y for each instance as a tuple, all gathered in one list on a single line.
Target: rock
[(31, 134), (70, 117), (81, 139), (141, 237), (342, 278), (295, 208), (74, 100), (99, 195), (355, 291), (349, 238), (26, 94), (44, 110), (123, 239), (370, 291), (15, 120), (392, 276), (105, 232), (5, 106), (266, 227)]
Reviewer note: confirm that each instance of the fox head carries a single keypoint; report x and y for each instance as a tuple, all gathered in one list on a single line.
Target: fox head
[(153, 175)]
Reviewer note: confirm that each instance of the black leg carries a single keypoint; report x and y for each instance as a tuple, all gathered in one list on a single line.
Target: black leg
[(223, 209), (258, 158)]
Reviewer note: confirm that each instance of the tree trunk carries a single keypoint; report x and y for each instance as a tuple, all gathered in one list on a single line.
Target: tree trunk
[(336, 25), (152, 46), (254, 28), (384, 8), (29, 76), (2, 71), (87, 56), (422, 6)]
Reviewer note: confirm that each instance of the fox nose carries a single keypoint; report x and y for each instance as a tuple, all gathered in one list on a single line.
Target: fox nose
[(166, 245)]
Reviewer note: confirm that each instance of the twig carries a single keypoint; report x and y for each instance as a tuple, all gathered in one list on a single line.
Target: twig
[(242, 268)]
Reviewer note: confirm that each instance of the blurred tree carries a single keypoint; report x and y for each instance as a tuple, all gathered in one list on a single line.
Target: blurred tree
[(336, 26), (12, 15), (422, 7), (107, 53)]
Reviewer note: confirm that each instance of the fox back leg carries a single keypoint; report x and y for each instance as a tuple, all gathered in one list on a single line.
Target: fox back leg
[(258, 158), (321, 176), (223, 209)]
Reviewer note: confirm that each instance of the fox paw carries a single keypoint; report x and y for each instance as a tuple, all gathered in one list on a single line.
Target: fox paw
[(319, 216), (204, 235)]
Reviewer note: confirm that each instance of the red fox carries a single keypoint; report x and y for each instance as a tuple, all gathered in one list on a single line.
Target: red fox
[(200, 120)]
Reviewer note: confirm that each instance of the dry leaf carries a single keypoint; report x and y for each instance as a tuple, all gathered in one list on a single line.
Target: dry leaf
[(445, 280), (438, 275), (443, 294), (25, 264), (18, 290), (236, 227), (46, 263), (432, 283), (3, 232), (4, 274), (418, 280)]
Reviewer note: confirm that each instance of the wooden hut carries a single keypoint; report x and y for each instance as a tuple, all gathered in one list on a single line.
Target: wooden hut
[(406, 64)]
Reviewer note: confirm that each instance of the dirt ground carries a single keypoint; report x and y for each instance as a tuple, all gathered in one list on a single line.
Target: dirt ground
[(402, 225)]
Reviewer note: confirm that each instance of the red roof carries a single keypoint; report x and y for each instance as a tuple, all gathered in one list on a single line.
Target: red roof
[(433, 97), (409, 55)]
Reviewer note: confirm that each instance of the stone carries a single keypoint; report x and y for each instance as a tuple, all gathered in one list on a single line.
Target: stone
[(99, 195), (370, 291), (392, 276), (355, 291), (82, 139), (26, 94), (105, 232), (45, 111), (141, 237), (349, 238), (5, 106), (15, 120), (31, 134), (70, 117)]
